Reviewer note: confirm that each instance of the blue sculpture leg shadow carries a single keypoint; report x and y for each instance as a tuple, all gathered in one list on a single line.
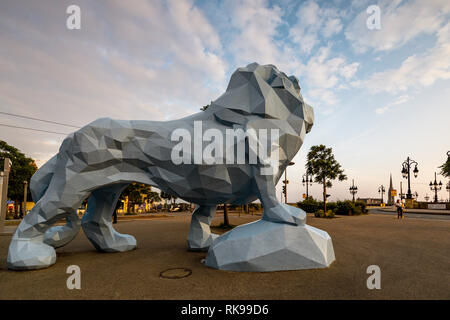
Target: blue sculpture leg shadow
[(97, 221)]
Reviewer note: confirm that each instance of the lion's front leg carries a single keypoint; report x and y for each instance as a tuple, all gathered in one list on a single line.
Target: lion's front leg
[(279, 241), (200, 236), (274, 210)]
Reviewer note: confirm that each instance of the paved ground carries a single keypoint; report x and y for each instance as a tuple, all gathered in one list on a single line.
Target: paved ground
[(413, 255)]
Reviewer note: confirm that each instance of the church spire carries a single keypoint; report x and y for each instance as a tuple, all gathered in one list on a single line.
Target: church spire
[(391, 187)]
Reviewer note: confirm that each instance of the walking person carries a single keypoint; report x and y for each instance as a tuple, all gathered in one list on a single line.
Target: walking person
[(399, 206)]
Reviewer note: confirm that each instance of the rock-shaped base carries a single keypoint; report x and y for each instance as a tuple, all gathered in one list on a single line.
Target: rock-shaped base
[(268, 246)]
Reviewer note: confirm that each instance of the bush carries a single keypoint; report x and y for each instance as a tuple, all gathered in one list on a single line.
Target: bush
[(309, 205), (331, 206), (330, 214), (347, 207), (362, 205), (357, 211), (320, 214)]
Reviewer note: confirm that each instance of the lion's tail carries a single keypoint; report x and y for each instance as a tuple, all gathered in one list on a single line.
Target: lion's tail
[(41, 179)]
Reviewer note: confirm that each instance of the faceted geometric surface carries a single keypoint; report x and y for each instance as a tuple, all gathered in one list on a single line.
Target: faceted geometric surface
[(200, 236), (101, 159), (267, 246)]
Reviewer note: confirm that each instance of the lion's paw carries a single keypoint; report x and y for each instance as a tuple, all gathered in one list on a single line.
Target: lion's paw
[(29, 254), (59, 236), (118, 243), (284, 213), (202, 245)]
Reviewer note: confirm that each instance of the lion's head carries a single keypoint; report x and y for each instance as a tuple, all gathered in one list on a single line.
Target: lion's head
[(265, 91)]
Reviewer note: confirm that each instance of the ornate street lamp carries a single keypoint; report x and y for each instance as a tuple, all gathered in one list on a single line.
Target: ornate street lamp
[(307, 180), (434, 186), (286, 181), (406, 172), (353, 189), (381, 190)]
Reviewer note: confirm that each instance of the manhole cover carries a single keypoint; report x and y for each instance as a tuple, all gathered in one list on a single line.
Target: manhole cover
[(175, 273)]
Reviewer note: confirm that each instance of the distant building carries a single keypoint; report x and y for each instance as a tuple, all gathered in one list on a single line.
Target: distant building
[(391, 199), (370, 201)]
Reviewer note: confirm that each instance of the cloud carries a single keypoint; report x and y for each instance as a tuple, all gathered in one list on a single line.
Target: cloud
[(255, 25), (150, 60), (312, 21), (401, 21), (417, 70), (400, 100), (325, 75)]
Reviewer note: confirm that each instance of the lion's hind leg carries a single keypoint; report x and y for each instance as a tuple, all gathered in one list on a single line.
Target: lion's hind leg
[(97, 221), (27, 249)]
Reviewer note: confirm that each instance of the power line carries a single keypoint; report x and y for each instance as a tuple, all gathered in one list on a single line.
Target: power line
[(37, 119), (32, 129)]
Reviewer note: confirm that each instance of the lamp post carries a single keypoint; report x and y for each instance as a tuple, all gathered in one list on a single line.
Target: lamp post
[(4, 176), (307, 180), (434, 186), (25, 193), (381, 190), (406, 172), (402, 195), (416, 195), (286, 181), (353, 189), (448, 189)]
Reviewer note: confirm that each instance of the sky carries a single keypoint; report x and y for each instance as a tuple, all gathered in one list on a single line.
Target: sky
[(379, 95)]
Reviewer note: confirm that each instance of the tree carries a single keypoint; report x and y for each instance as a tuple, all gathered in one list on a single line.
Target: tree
[(135, 193), (324, 167), (153, 196), (22, 170), (226, 221), (445, 168), (166, 196)]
